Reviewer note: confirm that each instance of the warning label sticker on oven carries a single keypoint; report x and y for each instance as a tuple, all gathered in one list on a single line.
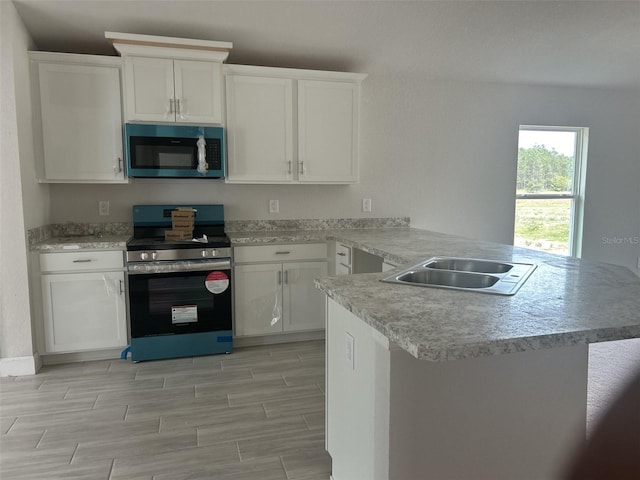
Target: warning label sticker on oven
[(184, 314), (217, 282)]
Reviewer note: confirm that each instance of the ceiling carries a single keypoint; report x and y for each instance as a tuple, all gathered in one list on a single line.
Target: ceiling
[(576, 42)]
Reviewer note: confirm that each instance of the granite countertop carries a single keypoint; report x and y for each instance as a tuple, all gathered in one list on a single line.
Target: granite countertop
[(82, 242), (565, 302)]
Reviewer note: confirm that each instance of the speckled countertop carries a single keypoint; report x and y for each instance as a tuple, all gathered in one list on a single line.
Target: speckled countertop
[(82, 242), (565, 301)]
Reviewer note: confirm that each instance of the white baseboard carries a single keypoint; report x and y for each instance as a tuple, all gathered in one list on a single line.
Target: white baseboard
[(88, 356), (19, 366), (273, 339)]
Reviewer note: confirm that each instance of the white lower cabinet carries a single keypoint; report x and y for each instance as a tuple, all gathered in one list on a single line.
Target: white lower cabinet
[(278, 296), (83, 298), (343, 259)]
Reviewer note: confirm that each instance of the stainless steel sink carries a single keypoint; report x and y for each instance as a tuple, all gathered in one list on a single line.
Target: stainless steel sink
[(469, 265), (448, 278), (470, 274)]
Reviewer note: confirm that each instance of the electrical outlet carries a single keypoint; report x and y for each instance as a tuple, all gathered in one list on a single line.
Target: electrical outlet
[(103, 207), (274, 206), (366, 204), (350, 350)]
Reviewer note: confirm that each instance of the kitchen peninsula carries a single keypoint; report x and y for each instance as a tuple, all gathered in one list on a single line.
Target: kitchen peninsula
[(436, 383)]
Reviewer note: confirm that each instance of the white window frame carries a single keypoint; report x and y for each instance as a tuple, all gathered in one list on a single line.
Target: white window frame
[(577, 188)]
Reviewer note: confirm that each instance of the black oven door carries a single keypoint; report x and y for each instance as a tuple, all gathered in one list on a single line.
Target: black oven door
[(171, 298)]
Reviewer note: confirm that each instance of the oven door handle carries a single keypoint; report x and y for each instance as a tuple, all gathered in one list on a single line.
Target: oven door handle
[(146, 268)]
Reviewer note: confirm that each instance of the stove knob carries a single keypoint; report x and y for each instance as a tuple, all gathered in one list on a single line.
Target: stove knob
[(213, 253), (204, 253), (154, 256), (144, 256)]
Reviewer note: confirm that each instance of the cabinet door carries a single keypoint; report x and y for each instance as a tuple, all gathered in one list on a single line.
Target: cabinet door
[(84, 311), (198, 91), (305, 303), (342, 269), (258, 299), (259, 129), (149, 91), (81, 117), (327, 131)]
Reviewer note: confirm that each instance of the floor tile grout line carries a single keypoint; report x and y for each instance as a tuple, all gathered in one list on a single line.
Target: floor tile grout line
[(238, 449), (15, 420), (40, 439), (74, 453), (113, 463), (284, 468), (304, 419)]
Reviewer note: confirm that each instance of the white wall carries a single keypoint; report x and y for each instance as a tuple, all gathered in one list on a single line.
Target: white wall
[(16, 344)]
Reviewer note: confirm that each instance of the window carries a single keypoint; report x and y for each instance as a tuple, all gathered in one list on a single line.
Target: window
[(550, 188)]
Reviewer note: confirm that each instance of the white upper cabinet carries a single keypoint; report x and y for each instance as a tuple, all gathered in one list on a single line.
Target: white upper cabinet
[(77, 118), (327, 131), (149, 89), (166, 90), (291, 126), (260, 129), (169, 80)]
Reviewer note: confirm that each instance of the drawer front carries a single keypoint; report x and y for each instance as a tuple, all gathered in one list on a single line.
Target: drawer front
[(342, 269), (280, 253), (343, 254), (82, 261)]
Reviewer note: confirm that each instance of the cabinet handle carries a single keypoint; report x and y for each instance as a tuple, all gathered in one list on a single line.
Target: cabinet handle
[(284, 252), (289, 167), (171, 108), (280, 278), (119, 164), (84, 260), (301, 168), (121, 287), (286, 277), (341, 254), (179, 109)]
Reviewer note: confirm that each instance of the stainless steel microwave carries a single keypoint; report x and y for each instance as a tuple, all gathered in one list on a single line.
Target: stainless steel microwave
[(174, 151)]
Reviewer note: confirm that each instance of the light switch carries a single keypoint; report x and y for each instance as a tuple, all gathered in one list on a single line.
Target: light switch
[(274, 206)]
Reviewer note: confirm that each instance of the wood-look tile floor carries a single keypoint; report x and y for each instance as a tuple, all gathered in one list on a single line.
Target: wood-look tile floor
[(257, 413)]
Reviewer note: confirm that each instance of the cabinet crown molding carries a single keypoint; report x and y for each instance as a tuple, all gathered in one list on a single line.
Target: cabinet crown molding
[(168, 47), (292, 73)]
